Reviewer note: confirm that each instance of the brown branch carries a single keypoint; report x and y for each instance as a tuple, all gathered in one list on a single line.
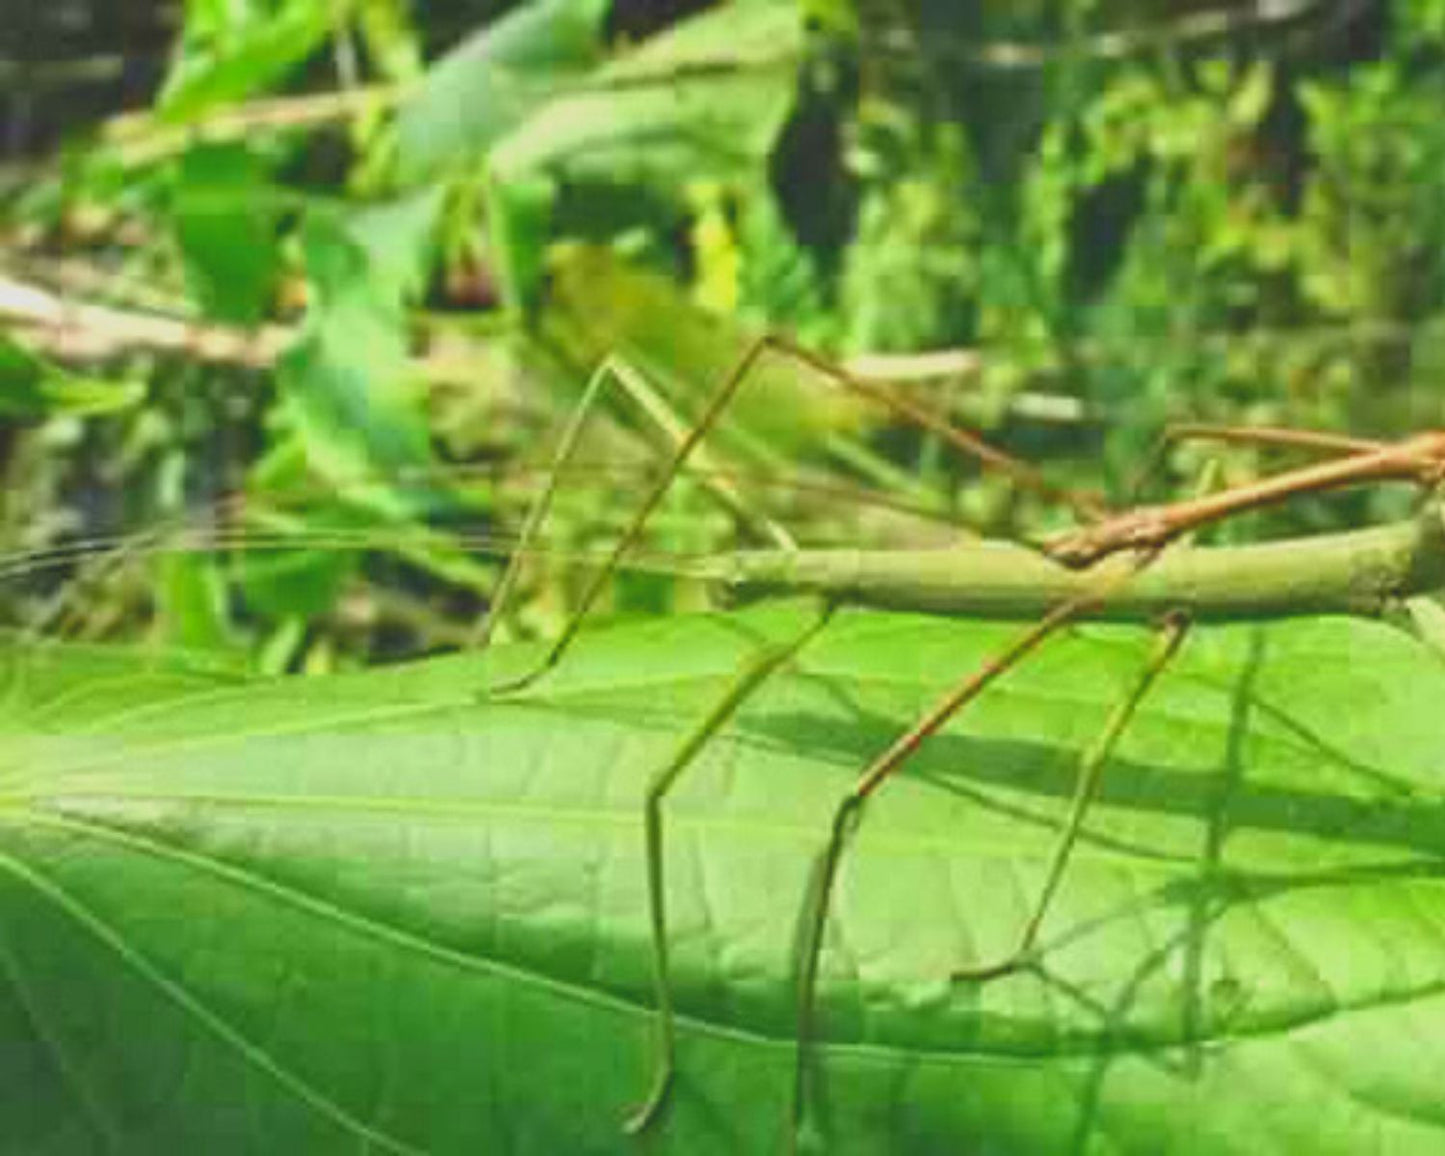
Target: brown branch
[(79, 331)]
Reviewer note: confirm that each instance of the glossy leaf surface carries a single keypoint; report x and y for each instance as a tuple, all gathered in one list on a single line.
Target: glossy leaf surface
[(375, 913)]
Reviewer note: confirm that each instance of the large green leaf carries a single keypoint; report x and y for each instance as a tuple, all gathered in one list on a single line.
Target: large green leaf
[(230, 52), (374, 913), (225, 214), (703, 101), (347, 382), (482, 88)]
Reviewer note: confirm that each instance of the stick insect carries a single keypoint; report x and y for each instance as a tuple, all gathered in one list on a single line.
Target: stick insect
[(1113, 566), (1357, 572)]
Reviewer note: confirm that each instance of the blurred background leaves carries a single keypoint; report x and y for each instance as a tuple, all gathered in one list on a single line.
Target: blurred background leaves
[(363, 257)]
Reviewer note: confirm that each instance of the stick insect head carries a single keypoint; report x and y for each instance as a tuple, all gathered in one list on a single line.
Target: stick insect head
[(1144, 528)]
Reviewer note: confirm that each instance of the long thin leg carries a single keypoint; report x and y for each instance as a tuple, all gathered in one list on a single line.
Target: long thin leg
[(1269, 436), (849, 812), (1090, 771), (1419, 459), (970, 444), (1275, 436), (662, 415), (742, 687), (1091, 766), (709, 418), (613, 369)]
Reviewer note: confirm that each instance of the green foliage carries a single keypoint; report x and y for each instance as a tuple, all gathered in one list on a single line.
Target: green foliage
[(1370, 224), (346, 381), (394, 915), (488, 84), (225, 217), (676, 109), (234, 50), (704, 102), (912, 272), (32, 388), (1232, 227), (1238, 226), (375, 909)]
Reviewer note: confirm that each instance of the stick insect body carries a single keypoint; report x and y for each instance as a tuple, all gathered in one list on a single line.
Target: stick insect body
[(1113, 567)]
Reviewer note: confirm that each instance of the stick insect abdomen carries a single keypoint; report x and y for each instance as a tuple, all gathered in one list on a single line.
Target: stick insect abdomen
[(1359, 572)]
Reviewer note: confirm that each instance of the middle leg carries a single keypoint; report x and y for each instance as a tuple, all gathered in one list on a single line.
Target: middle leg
[(744, 684), (849, 812), (1086, 783)]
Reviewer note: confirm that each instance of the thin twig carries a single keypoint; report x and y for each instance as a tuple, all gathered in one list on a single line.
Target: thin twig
[(78, 331)]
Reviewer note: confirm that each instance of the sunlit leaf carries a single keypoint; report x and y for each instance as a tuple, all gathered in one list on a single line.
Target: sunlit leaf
[(704, 100), (597, 304), (225, 219), (348, 381), (494, 78), (233, 58), (379, 912), (191, 593)]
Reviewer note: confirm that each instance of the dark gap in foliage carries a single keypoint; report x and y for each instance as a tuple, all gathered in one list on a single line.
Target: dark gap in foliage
[(639, 19)]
